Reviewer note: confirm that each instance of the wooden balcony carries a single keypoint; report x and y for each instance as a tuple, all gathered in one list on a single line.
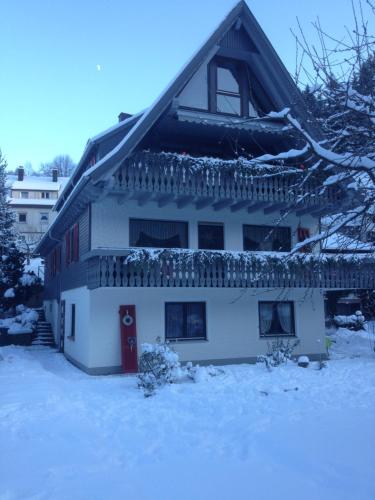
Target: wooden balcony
[(171, 178), (221, 269)]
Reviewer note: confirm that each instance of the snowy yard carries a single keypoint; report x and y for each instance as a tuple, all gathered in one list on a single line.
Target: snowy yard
[(293, 433)]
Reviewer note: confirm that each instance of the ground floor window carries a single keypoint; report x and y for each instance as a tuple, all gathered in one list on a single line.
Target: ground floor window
[(22, 217), (185, 320), (73, 322), (276, 318)]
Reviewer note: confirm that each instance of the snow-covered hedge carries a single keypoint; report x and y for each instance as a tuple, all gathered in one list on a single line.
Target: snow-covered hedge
[(353, 322), (272, 261), (24, 322)]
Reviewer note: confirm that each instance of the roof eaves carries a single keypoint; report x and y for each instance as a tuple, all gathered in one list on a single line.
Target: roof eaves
[(91, 143)]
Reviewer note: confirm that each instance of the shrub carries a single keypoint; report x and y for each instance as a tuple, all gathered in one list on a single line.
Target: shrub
[(353, 322), (279, 352), (158, 365)]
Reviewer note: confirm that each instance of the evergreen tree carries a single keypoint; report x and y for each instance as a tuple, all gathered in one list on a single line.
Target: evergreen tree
[(11, 258), (7, 236)]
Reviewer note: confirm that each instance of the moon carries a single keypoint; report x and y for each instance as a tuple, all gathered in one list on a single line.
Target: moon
[(98, 67)]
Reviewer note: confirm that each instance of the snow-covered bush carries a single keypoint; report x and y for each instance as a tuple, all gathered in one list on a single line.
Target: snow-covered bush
[(24, 322), (279, 352), (158, 365), (353, 322), (202, 373)]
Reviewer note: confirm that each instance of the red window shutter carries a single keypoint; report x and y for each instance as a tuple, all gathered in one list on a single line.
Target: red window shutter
[(303, 234), (58, 259), (54, 262), (67, 248), (76, 243)]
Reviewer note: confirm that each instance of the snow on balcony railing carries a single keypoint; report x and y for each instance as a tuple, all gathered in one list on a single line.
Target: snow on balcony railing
[(224, 269), (214, 178)]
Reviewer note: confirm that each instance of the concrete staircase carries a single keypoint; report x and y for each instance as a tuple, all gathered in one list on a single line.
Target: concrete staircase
[(43, 333)]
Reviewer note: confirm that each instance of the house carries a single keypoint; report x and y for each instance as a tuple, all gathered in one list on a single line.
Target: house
[(32, 199), (170, 229)]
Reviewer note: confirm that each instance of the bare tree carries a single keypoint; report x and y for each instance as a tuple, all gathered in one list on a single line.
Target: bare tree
[(341, 97), (63, 163)]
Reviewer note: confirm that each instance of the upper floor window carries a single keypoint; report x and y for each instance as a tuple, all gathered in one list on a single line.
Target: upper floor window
[(22, 217), (211, 236), (24, 194), (230, 89), (158, 233), (45, 194), (267, 238)]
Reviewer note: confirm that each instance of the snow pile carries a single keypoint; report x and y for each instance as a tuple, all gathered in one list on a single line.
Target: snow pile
[(285, 434), (9, 293), (29, 279), (354, 321), (201, 374), (23, 322), (36, 266), (348, 343)]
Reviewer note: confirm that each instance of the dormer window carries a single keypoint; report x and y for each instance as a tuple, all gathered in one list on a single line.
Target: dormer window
[(229, 88)]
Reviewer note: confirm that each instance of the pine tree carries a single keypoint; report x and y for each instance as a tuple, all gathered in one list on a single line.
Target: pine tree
[(11, 258), (7, 235)]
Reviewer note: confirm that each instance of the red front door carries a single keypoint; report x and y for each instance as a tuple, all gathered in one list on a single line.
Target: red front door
[(128, 339)]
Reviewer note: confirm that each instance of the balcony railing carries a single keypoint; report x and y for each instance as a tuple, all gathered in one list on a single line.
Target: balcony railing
[(221, 269), (167, 177)]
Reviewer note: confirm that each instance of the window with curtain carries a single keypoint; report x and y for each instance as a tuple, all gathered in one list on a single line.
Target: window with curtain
[(267, 238), (276, 318), (211, 236), (158, 234), (185, 320)]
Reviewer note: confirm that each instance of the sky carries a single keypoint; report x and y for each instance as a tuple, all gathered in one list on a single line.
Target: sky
[(69, 67)]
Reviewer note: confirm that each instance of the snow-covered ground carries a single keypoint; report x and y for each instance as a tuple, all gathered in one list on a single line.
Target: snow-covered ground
[(290, 434)]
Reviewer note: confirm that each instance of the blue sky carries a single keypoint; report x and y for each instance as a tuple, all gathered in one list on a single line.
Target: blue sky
[(68, 67)]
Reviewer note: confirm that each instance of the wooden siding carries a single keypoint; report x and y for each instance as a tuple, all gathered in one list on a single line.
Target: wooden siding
[(178, 178), (176, 268), (74, 274), (237, 39)]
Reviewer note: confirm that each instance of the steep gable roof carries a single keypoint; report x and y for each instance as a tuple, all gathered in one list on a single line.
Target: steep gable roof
[(240, 13), (223, 38)]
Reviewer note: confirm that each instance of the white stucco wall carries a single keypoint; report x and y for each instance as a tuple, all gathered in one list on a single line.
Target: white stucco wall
[(110, 222), (33, 228), (232, 322), (79, 348)]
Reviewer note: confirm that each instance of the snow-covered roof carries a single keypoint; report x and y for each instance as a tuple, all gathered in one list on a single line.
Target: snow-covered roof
[(104, 168), (40, 183), (32, 201), (342, 242)]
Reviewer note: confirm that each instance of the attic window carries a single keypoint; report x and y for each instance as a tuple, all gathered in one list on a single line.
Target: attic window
[(229, 88)]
